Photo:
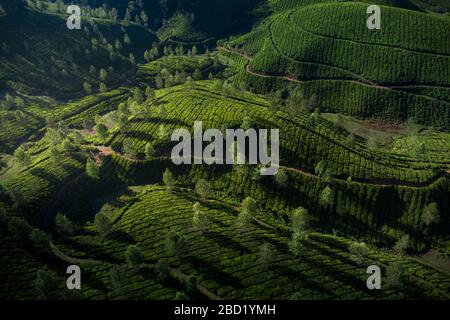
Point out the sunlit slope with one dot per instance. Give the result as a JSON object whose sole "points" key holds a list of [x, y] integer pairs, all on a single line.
{"points": [[372, 73]]}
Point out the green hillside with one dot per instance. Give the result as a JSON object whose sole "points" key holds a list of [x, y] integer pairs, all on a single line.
{"points": [[87, 176], [326, 49], [40, 56]]}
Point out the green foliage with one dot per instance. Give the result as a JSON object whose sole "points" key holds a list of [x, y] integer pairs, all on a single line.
{"points": [[266, 254], [22, 157], [168, 180], [430, 214], [203, 189], [45, 284], [39, 239], [118, 279], [327, 196], [298, 243], [359, 251], [402, 245], [133, 256], [162, 271], [150, 151], [199, 221], [92, 169], [102, 130], [19, 229], [64, 225], [394, 275], [300, 220], [175, 244], [102, 223]]}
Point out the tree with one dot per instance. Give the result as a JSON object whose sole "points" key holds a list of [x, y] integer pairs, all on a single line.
{"points": [[159, 81], [63, 225], [191, 285], [402, 245], [327, 196], [282, 178], [133, 256], [144, 18], [103, 74], [359, 251], [247, 123], [150, 93], [118, 279], [266, 254], [123, 109], [22, 157], [394, 274], [102, 130], [197, 75], [350, 140], [372, 142], [132, 59], [295, 103], [92, 170], [199, 220], [138, 95], [40, 239], [162, 270], [103, 88], [297, 245], [102, 223], [126, 39], [68, 146], [203, 189], [168, 180], [163, 134], [320, 168], [249, 208], [175, 244], [300, 220], [149, 151], [19, 229], [55, 154], [430, 214], [44, 284]]}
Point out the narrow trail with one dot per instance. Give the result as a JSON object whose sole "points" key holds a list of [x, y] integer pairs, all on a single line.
{"points": [[176, 273], [384, 182]]}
